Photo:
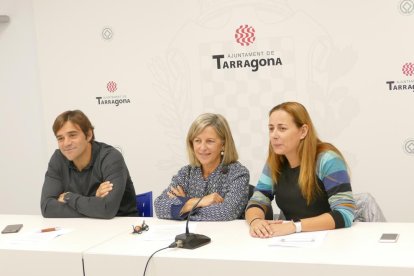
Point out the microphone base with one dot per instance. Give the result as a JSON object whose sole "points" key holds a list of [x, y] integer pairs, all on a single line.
{"points": [[191, 241]]}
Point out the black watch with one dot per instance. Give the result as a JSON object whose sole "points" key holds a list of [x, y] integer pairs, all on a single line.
{"points": [[67, 197]]}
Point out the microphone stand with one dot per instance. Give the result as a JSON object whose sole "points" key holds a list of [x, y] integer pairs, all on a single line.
{"points": [[189, 240]]}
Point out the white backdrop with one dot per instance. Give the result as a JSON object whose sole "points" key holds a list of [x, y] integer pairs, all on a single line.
{"points": [[23, 148], [336, 58]]}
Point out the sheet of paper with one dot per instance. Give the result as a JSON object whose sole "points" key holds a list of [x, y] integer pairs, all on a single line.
{"points": [[36, 236], [166, 232], [303, 239]]}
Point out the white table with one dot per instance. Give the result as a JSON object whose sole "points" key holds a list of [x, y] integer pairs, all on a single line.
{"points": [[107, 247], [352, 251], [60, 256]]}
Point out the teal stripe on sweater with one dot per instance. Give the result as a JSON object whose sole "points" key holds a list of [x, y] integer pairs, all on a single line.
{"points": [[328, 164], [344, 203], [265, 182], [347, 215]]}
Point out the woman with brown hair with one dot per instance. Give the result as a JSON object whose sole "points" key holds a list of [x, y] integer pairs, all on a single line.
{"points": [[307, 177]]}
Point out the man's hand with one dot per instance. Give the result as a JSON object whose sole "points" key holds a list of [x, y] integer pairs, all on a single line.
{"points": [[104, 189], [61, 198]]}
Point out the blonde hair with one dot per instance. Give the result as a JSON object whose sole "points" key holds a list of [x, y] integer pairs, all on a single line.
{"points": [[220, 125], [309, 149]]}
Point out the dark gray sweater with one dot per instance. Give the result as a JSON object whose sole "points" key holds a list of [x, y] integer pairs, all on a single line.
{"points": [[107, 164]]}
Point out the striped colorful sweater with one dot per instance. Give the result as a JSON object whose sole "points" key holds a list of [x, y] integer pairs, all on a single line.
{"points": [[333, 179]]}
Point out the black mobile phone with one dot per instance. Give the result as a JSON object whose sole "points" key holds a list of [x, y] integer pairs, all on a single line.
{"points": [[12, 228], [389, 237]]}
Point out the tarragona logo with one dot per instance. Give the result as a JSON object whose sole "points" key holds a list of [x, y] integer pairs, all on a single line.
{"points": [[408, 69], [111, 86], [406, 84], [113, 99], [245, 35]]}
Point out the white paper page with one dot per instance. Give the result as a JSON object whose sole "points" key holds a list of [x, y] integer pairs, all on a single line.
{"points": [[166, 232], [303, 239], [36, 236]]}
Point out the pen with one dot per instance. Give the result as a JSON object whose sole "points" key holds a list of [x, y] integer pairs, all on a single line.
{"points": [[298, 240], [49, 229]]}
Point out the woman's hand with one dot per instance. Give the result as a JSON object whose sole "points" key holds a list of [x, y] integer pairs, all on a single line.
{"points": [[261, 228], [208, 200], [211, 199], [282, 228], [174, 192]]}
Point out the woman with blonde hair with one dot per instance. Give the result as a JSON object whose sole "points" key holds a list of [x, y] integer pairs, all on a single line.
{"points": [[307, 177], [214, 182]]}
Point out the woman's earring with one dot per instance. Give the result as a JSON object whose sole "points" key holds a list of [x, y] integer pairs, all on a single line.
{"points": [[222, 152]]}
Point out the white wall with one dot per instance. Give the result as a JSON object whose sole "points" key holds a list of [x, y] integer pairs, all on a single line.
{"points": [[337, 57], [22, 148]]}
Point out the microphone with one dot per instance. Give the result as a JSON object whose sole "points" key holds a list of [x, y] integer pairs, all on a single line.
{"points": [[190, 240]]}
